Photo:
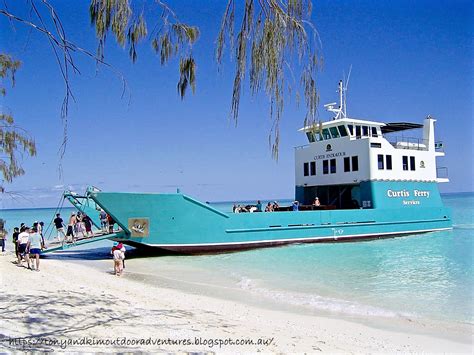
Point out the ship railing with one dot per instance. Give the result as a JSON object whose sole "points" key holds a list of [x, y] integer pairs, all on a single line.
{"points": [[442, 172], [411, 143]]}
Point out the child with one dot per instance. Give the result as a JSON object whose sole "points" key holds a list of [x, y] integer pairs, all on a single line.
{"points": [[118, 252]]}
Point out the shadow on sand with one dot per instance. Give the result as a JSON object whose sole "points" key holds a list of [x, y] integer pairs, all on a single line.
{"points": [[67, 315]]}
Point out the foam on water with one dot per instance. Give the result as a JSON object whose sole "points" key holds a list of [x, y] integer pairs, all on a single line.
{"points": [[319, 303]]}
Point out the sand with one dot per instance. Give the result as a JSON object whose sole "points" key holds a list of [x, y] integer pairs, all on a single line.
{"points": [[73, 307]]}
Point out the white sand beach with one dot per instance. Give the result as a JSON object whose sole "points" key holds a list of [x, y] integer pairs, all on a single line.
{"points": [[67, 303]]}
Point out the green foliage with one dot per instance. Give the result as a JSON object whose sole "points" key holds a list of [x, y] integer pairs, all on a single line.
{"points": [[172, 39], [187, 68], [8, 68], [13, 140], [272, 39]]}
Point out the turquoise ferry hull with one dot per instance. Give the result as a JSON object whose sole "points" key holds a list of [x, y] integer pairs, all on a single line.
{"points": [[179, 223]]}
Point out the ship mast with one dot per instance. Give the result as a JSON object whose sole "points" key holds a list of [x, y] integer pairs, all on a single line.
{"points": [[340, 111]]}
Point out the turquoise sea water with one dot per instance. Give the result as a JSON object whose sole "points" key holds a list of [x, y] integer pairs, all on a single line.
{"points": [[428, 276]]}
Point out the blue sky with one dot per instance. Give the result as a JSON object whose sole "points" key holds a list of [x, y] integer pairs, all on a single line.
{"points": [[409, 59]]}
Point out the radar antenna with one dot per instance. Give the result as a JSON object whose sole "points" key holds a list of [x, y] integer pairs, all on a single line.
{"points": [[341, 110]]}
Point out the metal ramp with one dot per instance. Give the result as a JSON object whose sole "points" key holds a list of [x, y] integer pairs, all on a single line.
{"points": [[56, 246]]}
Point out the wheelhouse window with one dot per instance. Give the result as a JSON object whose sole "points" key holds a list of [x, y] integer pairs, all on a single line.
{"points": [[351, 129], [358, 132], [333, 166], [380, 161], [311, 137], [412, 163], [312, 168], [355, 163], [388, 161], [342, 130], [374, 132], [405, 162], [334, 132], [325, 167], [306, 169], [326, 134], [347, 164], [365, 131]]}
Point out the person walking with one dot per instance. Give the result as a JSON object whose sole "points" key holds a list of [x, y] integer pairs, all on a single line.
{"points": [[70, 227], [35, 245], [23, 243], [110, 222], [59, 224], [88, 225], [103, 221]]}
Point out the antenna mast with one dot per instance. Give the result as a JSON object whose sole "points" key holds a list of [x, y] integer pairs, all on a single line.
{"points": [[341, 111]]}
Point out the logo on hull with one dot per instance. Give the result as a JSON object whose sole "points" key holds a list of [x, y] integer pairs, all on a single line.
{"points": [[139, 227]]}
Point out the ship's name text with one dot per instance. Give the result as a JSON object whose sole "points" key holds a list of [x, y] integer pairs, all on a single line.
{"points": [[406, 193], [329, 155]]}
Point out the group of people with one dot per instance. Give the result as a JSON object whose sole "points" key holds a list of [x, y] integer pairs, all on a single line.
{"points": [[270, 207], [78, 223], [29, 242], [106, 222]]}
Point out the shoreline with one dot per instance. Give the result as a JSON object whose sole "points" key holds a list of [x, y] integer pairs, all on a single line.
{"points": [[69, 300]]}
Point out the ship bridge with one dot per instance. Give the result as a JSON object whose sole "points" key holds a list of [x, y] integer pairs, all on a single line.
{"points": [[344, 154]]}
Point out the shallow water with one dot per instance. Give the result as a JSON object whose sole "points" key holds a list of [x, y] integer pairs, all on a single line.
{"points": [[427, 276]]}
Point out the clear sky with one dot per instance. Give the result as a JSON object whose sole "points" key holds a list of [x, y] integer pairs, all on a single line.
{"points": [[409, 59]]}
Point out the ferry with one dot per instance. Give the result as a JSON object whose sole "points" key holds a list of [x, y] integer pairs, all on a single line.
{"points": [[369, 178]]}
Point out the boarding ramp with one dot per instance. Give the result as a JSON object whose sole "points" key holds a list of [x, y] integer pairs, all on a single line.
{"points": [[57, 246]]}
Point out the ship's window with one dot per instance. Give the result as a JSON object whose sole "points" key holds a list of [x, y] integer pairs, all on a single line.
{"points": [[306, 169], [355, 163], [380, 161], [333, 166], [319, 136], [334, 132], [405, 162], [388, 161], [351, 129], [347, 164], [374, 131], [326, 134], [310, 136], [358, 131], [325, 167], [365, 131], [412, 163], [342, 130], [375, 145], [312, 167]]}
